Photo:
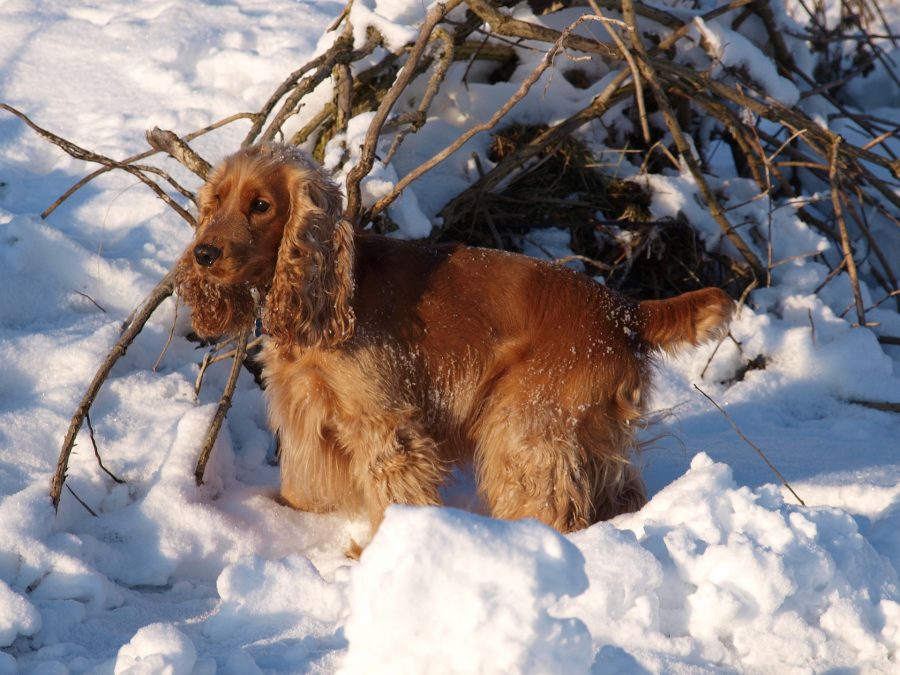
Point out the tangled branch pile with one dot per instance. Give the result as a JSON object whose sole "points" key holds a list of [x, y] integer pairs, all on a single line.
{"points": [[669, 146]]}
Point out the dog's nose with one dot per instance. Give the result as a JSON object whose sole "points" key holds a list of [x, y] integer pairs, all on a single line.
{"points": [[206, 255]]}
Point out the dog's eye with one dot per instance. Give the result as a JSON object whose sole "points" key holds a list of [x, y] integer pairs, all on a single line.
{"points": [[259, 206]]}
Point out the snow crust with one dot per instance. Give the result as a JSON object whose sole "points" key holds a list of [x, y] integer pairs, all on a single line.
{"points": [[722, 571]]}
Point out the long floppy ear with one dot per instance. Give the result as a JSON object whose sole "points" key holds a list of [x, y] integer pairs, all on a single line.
{"points": [[310, 301], [215, 309]]}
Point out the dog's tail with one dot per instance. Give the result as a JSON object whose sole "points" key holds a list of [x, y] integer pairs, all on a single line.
{"points": [[690, 318]]}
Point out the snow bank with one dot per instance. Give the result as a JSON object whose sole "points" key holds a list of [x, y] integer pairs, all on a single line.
{"points": [[758, 584], [17, 616], [708, 575], [443, 591]]}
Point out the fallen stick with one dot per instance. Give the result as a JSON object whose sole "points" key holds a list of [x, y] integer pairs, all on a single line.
{"points": [[752, 445]]}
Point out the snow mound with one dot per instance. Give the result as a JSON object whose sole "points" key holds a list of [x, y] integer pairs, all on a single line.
{"points": [[261, 595], [17, 616], [157, 648], [444, 591], [733, 50]]}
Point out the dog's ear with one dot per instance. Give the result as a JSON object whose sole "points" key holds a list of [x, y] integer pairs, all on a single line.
{"points": [[215, 309], [309, 303]]}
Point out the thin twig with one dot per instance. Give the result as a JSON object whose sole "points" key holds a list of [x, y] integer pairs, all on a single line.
{"points": [[222, 410], [135, 158], [883, 300], [685, 149], [341, 17], [863, 198], [554, 134], [849, 261], [713, 355], [884, 406], [635, 73], [96, 304], [168, 340], [754, 283], [323, 62], [602, 266], [109, 473], [178, 187], [817, 137], [812, 327], [519, 94], [752, 445], [214, 356], [434, 83], [82, 502], [340, 52], [505, 25]]}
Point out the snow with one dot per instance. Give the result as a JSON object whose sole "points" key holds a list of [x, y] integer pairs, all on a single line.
{"points": [[732, 50], [157, 648], [461, 593], [722, 570]]}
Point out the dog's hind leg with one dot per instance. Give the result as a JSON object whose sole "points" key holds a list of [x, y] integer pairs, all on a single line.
{"points": [[568, 468], [532, 468]]}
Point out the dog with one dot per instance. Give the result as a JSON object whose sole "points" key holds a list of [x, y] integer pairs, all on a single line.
{"points": [[388, 362]]}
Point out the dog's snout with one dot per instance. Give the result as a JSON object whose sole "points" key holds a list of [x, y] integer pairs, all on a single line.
{"points": [[206, 255]]}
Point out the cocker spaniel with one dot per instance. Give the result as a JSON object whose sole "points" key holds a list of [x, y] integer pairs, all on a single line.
{"points": [[386, 362]]}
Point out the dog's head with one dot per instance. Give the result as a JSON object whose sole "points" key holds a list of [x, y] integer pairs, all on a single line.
{"points": [[270, 221]]}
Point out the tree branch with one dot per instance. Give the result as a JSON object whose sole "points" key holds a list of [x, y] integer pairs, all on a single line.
{"points": [[130, 331]]}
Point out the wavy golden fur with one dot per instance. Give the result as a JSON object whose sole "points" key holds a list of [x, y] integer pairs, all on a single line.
{"points": [[389, 361]]}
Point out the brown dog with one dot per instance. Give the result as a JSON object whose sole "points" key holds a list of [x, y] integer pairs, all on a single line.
{"points": [[388, 361]]}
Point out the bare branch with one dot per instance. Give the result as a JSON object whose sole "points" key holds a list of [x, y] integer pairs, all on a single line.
{"points": [[849, 261], [224, 406], [519, 94], [340, 52], [685, 149], [367, 156], [213, 356], [166, 141], [136, 158], [505, 25], [88, 156], [437, 78], [131, 330], [323, 62]]}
